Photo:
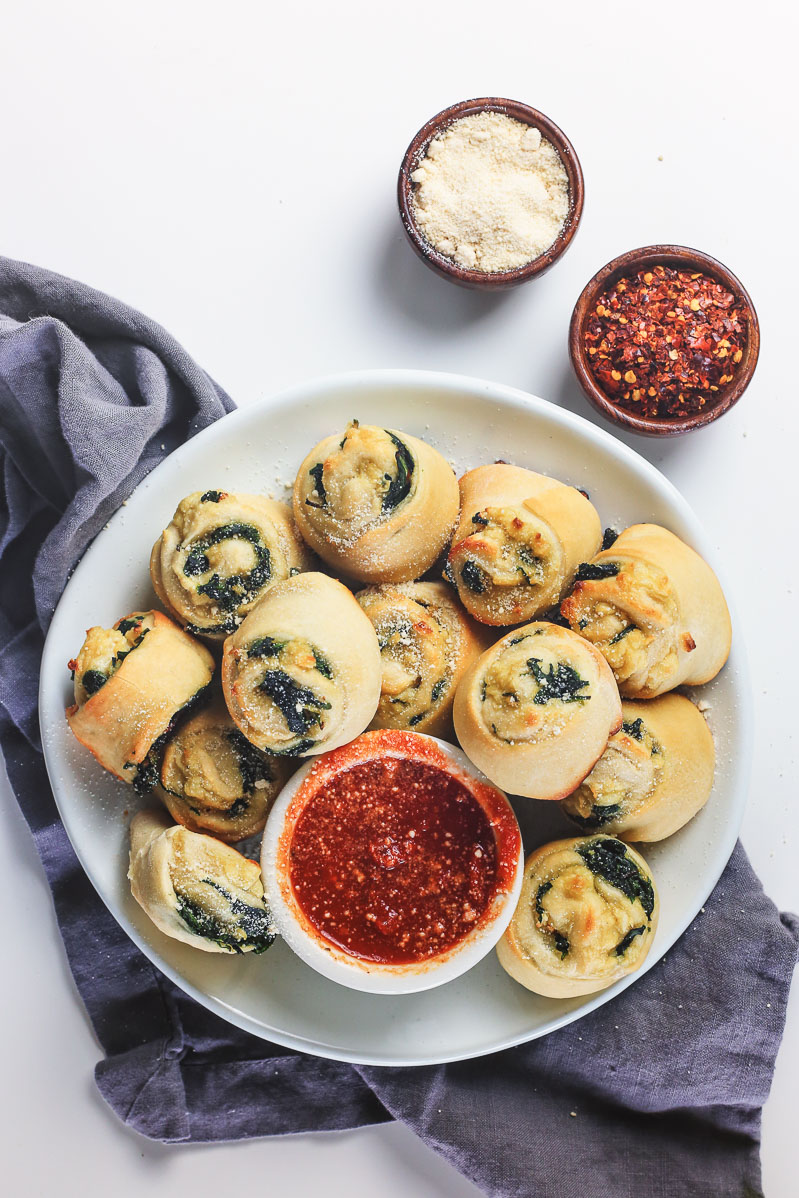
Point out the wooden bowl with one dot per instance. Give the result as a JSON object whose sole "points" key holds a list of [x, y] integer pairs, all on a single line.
{"points": [[480, 279], [629, 264]]}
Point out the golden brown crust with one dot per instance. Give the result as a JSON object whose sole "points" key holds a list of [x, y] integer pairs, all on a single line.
{"points": [[427, 641], [302, 673], [376, 504], [158, 676], [535, 711], [579, 927], [210, 582], [661, 620], [518, 544], [654, 776]]}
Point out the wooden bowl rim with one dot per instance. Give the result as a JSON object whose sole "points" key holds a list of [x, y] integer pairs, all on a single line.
{"points": [[490, 280], [629, 263]]}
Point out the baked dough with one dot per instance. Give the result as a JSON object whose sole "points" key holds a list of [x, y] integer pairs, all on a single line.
{"points": [[214, 781], [518, 544], [196, 889], [654, 776], [220, 554], [131, 681], [586, 916], [376, 504], [535, 711], [426, 643], [302, 673], [654, 609]]}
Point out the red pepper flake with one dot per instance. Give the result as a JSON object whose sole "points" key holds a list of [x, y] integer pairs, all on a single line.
{"points": [[665, 342]]}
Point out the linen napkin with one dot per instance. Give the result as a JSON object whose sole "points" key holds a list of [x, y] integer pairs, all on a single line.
{"points": [[658, 1092]]}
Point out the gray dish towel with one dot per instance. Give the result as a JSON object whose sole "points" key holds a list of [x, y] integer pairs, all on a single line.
{"points": [[658, 1092]]}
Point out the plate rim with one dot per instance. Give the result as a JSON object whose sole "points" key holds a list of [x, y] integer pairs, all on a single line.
{"points": [[320, 386]]}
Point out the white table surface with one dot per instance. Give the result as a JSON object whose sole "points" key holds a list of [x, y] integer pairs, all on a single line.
{"points": [[230, 170]]}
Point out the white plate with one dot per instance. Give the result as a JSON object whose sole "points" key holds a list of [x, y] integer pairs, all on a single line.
{"points": [[259, 448]]}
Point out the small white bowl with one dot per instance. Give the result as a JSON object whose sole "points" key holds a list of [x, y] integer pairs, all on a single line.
{"points": [[335, 962]]}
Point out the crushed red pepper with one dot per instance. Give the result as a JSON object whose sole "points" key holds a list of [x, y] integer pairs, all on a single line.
{"points": [[665, 342]]}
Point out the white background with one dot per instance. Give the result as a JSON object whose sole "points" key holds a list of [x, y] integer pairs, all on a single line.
{"points": [[230, 170]]}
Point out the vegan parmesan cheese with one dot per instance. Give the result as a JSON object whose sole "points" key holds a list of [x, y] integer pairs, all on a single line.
{"points": [[490, 193]]}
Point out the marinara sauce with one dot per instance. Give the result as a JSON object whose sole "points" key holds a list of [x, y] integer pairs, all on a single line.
{"points": [[393, 858]]}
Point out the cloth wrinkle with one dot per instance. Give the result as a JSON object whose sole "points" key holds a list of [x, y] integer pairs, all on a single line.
{"points": [[658, 1091]]}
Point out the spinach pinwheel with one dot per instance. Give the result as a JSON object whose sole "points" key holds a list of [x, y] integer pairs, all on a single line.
{"points": [[219, 556], [535, 711], [426, 643], [302, 673], [654, 609], [586, 916], [376, 504], [196, 889], [518, 544], [653, 777], [213, 780], [132, 681]]}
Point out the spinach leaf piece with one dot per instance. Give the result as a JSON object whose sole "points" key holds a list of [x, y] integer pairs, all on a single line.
{"points": [[316, 474], [438, 689], [299, 706], [322, 664], [590, 571], [634, 728], [608, 859], [211, 497], [479, 518], [400, 484], [624, 944], [124, 626], [474, 578], [620, 635], [561, 683], [253, 764], [609, 537], [598, 816], [92, 680], [265, 646], [416, 719]]}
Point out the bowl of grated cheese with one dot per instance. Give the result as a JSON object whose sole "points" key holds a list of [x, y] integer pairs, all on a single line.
{"points": [[490, 193]]}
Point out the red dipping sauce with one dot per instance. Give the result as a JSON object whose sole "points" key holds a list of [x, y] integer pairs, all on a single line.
{"points": [[394, 855]]}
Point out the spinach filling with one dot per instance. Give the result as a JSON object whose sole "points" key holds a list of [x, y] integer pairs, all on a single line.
{"points": [[626, 941], [634, 728], [253, 767], [438, 689], [474, 578], [322, 664], [532, 568], [598, 816], [255, 922], [265, 646], [299, 706], [230, 592], [560, 941], [479, 518], [399, 486], [316, 474], [591, 571], [148, 773], [92, 680], [620, 635], [211, 497], [416, 719], [124, 626], [608, 860], [609, 537], [562, 683]]}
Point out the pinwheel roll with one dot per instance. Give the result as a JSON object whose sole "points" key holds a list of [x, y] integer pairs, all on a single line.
{"points": [[535, 711], [220, 555], [196, 889], [302, 673], [586, 916], [376, 504], [519, 542], [131, 682], [426, 643], [653, 777], [213, 780], [654, 609]]}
